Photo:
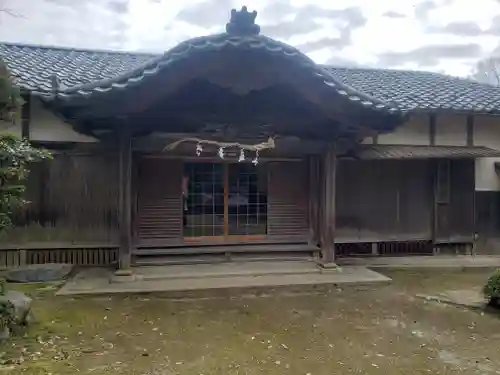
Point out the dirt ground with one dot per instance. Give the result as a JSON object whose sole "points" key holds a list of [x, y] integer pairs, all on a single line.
{"points": [[363, 330]]}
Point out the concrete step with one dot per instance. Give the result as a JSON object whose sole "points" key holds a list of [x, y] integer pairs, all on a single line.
{"points": [[97, 281], [164, 260], [225, 270]]}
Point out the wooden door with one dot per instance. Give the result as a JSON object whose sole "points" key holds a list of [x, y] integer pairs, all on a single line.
{"points": [[159, 201], [221, 202], [288, 201], [454, 203], [442, 199], [225, 201]]}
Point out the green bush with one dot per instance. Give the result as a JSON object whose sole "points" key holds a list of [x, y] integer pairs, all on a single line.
{"points": [[6, 310], [492, 288], [6, 316]]}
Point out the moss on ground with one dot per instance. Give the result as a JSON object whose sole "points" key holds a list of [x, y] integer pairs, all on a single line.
{"points": [[380, 330]]}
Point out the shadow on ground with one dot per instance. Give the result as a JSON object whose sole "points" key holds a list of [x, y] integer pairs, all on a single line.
{"points": [[354, 330]]}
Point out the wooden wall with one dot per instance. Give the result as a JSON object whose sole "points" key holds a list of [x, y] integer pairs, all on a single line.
{"points": [[455, 212], [391, 200], [384, 200], [73, 199]]}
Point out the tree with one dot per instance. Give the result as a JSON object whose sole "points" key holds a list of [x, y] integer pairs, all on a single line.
{"points": [[487, 71], [16, 154]]}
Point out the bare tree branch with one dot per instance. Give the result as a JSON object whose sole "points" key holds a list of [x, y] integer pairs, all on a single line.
{"points": [[11, 13], [487, 71]]}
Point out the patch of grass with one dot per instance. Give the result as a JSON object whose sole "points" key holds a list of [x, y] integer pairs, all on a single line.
{"points": [[381, 330]]}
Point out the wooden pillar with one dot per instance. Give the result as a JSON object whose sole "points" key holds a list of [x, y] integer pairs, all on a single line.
{"points": [[314, 200], [26, 117], [328, 213], [125, 198]]}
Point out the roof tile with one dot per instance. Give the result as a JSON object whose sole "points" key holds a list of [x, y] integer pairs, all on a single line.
{"points": [[416, 90], [33, 67], [424, 152]]}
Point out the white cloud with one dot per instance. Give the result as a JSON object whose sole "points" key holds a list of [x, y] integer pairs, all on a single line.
{"points": [[154, 25], [479, 11]]}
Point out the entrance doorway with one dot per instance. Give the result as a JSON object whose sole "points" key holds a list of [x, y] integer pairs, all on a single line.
{"points": [[224, 200]]}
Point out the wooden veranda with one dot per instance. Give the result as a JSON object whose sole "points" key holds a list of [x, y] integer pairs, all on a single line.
{"points": [[238, 86]]}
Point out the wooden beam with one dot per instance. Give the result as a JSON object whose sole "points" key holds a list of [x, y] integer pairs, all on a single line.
{"points": [[26, 117], [226, 198], [125, 197], [314, 199], [328, 207], [470, 130], [432, 129]]}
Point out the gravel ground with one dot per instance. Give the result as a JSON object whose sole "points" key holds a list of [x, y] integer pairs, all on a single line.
{"points": [[379, 330]]}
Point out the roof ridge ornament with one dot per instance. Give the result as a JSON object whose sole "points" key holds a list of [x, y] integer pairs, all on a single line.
{"points": [[242, 23], [55, 83]]}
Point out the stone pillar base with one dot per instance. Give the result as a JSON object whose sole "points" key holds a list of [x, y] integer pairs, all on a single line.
{"points": [[123, 276], [328, 267]]}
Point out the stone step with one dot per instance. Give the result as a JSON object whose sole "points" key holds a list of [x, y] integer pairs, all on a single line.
{"points": [[226, 270]]}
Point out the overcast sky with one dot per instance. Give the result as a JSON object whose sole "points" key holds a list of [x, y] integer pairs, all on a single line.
{"points": [[438, 35]]}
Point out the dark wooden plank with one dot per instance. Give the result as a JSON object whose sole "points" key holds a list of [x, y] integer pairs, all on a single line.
{"points": [[159, 200], [470, 130], [178, 259], [135, 195], [432, 129], [66, 205], [226, 199], [454, 216], [260, 248], [178, 242], [384, 199], [58, 245], [314, 198], [125, 197], [328, 205], [26, 116], [462, 199], [288, 201]]}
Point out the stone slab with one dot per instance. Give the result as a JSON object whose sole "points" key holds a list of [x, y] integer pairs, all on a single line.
{"points": [[437, 261], [97, 280], [38, 273], [469, 298]]}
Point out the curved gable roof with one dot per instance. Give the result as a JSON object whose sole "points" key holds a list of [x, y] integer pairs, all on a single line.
{"points": [[242, 35], [219, 42], [119, 71], [33, 67]]}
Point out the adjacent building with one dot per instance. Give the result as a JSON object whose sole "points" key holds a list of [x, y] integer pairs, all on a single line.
{"points": [[237, 146]]}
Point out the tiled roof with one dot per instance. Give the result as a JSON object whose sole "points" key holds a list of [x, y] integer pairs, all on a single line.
{"points": [[33, 66], [417, 90], [424, 152], [139, 71], [84, 71]]}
